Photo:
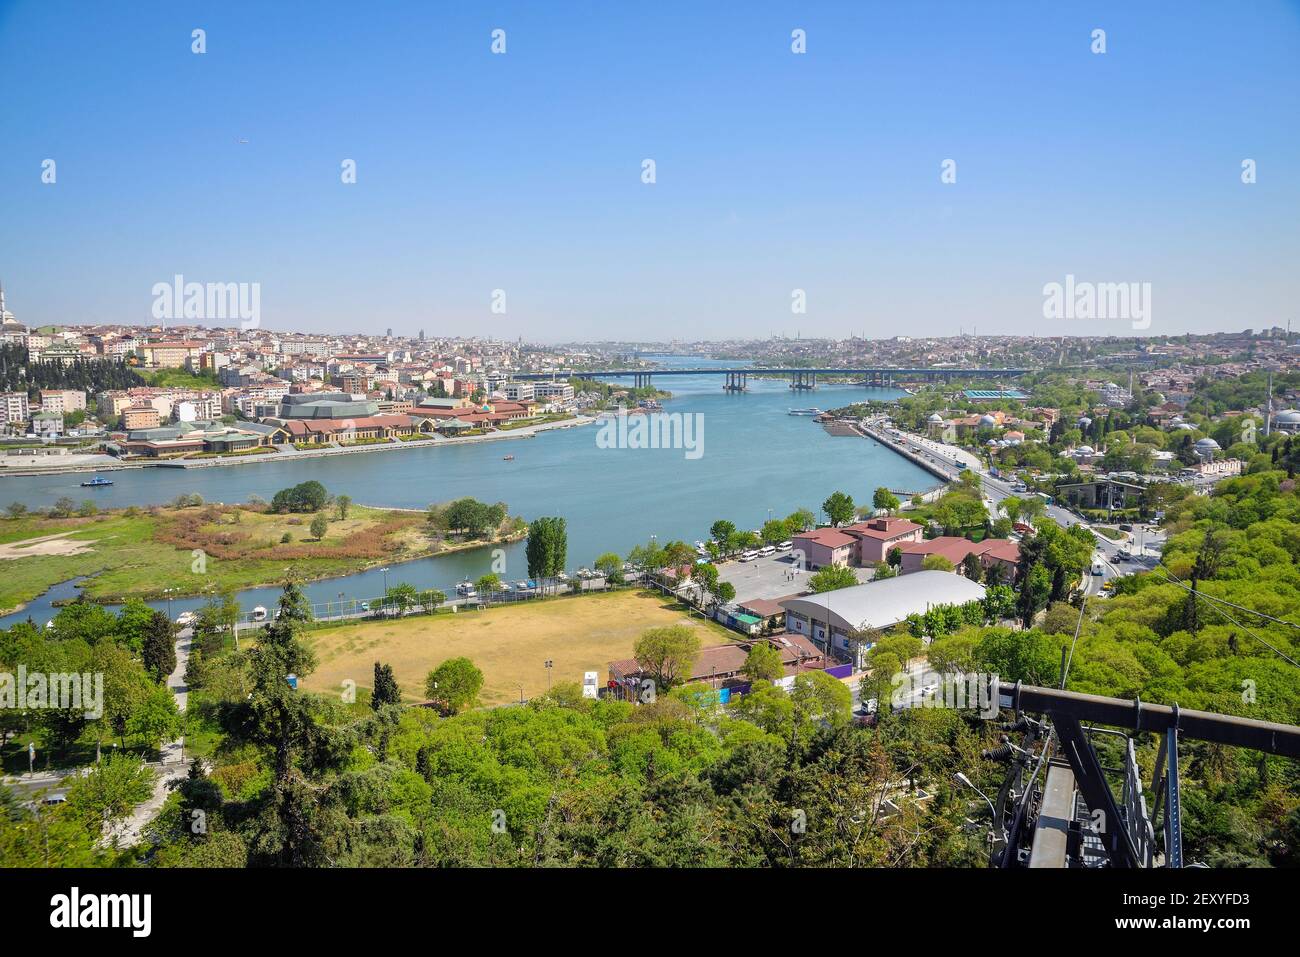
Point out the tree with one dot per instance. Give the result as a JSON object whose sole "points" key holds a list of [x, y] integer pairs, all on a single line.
{"points": [[722, 530], [401, 596], [706, 576], [666, 654], [818, 696], [305, 497], [295, 827], [937, 563], [472, 517], [547, 548], [16, 510], [319, 526], [342, 504], [885, 500], [839, 508], [774, 531], [159, 651], [110, 791], [155, 719], [385, 690], [454, 684], [763, 663], [680, 557], [611, 566], [800, 520], [1035, 589], [725, 593], [831, 578], [488, 583], [430, 599]]}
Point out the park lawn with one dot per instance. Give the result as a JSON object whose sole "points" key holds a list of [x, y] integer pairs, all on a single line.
{"points": [[509, 643], [128, 555]]}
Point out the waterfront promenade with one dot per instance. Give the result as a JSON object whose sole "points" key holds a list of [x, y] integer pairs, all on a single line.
{"points": [[282, 453]]}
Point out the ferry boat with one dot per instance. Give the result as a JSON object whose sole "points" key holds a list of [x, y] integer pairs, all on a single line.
{"points": [[97, 482], [812, 411]]}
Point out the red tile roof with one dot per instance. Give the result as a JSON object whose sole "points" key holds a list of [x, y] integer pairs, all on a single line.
{"points": [[830, 537], [882, 528], [956, 549]]}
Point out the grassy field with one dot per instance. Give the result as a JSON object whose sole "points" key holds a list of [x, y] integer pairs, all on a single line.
{"points": [[136, 553], [508, 643]]}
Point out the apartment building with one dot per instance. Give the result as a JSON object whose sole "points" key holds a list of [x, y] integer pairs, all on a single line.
{"points": [[63, 401], [14, 410]]}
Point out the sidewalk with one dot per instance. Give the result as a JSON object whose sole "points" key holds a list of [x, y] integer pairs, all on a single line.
{"points": [[172, 766]]}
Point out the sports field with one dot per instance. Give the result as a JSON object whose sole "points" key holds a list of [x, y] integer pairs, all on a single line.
{"points": [[509, 643]]}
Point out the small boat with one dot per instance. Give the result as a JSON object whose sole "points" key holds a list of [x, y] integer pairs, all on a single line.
{"points": [[466, 589], [812, 411], [97, 482], [259, 613], [507, 458]]}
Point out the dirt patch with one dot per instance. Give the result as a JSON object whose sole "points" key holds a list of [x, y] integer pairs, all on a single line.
{"points": [[45, 545]]}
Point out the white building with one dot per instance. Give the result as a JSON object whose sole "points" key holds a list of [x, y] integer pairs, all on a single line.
{"points": [[14, 410], [519, 391], [553, 391], [875, 605]]}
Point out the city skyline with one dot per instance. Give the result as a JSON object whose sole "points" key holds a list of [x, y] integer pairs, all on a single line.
{"points": [[775, 172]]}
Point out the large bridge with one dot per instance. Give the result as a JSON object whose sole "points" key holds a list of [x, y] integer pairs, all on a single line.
{"points": [[800, 378]]}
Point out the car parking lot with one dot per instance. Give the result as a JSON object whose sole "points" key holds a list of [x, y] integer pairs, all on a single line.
{"points": [[775, 576]]}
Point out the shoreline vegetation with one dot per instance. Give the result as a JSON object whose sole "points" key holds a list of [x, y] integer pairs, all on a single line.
{"points": [[199, 548]]}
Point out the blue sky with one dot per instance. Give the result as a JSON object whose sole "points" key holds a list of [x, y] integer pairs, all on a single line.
{"points": [[775, 171]]}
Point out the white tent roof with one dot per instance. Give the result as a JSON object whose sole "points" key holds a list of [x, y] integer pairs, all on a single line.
{"points": [[887, 602]]}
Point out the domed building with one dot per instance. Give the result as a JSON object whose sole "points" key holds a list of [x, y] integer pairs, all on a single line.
{"points": [[1288, 420], [988, 422], [1206, 448]]}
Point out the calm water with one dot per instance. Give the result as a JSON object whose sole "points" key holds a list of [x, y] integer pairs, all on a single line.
{"points": [[756, 458]]}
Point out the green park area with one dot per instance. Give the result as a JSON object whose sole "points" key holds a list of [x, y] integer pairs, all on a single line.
{"points": [[193, 548]]}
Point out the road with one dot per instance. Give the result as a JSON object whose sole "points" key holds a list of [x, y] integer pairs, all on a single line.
{"points": [[1144, 544]]}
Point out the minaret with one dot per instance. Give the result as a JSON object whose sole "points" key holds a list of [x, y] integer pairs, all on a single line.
{"points": [[1268, 409]]}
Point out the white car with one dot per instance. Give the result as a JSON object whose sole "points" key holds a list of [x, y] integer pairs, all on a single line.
{"points": [[748, 556], [785, 546]]}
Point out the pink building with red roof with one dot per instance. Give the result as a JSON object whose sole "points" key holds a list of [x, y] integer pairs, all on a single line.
{"points": [[1001, 551], [876, 536]]}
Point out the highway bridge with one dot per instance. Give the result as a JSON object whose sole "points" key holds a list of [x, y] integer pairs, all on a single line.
{"points": [[800, 378]]}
